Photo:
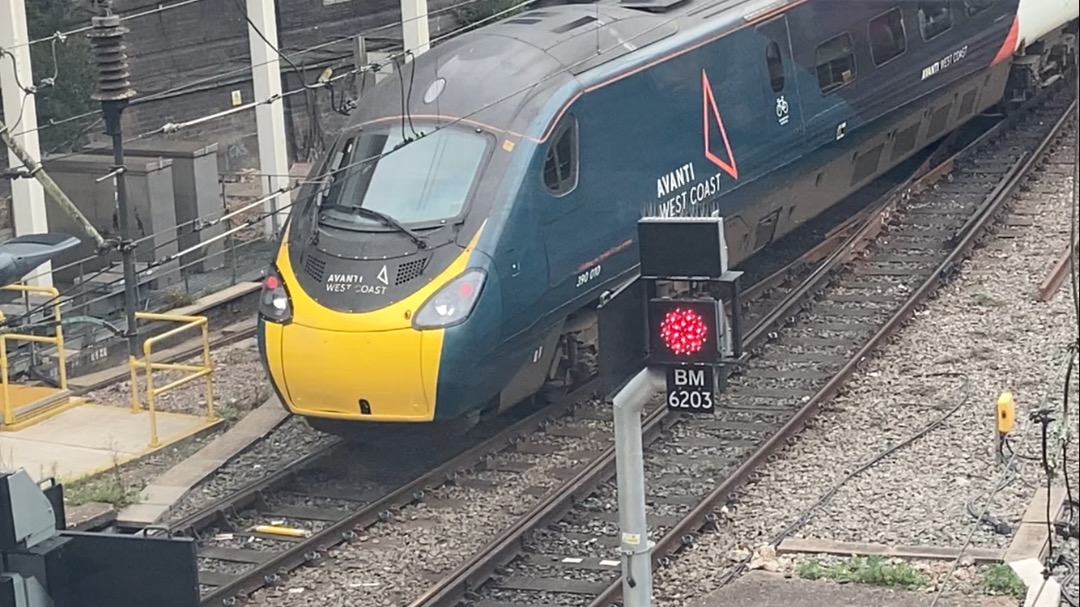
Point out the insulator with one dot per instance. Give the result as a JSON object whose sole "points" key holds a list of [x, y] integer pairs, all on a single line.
{"points": [[107, 38]]}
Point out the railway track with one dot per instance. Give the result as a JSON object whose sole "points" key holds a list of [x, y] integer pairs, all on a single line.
{"points": [[318, 503], [317, 509], [565, 550]]}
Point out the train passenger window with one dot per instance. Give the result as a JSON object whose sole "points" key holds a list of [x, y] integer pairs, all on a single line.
{"points": [[935, 18], [776, 66], [835, 63], [974, 7], [887, 37], [561, 162]]}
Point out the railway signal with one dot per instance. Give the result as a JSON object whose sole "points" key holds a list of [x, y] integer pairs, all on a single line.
{"points": [[683, 331], [692, 336]]}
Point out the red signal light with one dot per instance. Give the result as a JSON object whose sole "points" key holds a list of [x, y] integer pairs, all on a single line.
{"points": [[683, 331], [271, 282]]}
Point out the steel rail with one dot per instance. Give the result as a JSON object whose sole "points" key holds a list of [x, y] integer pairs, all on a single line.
{"points": [[250, 493], [503, 548], [965, 239], [264, 573], [839, 238], [317, 544], [477, 570], [192, 524]]}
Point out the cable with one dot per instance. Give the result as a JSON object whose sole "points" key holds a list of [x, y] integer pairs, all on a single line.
{"points": [[1075, 348], [31, 90], [62, 35], [372, 66], [220, 78], [1044, 419], [169, 128], [64, 298], [971, 534], [999, 526], [807, 514]]}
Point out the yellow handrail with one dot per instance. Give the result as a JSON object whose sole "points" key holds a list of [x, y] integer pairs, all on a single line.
{"points": [[197, 371], [57, 340]]}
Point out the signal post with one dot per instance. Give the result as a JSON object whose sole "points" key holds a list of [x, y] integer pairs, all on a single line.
{"points": [[693, 341]]}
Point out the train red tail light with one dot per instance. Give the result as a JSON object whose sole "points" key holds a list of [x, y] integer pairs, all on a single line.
{"points": [[683, 331], [274, 304]]}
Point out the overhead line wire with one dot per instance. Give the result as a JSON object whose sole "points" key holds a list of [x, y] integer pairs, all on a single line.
{"points": [[210, 80], [374, 65]]}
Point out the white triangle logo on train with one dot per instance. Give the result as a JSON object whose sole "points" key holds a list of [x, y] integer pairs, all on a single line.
{"points": [[382, 276]]}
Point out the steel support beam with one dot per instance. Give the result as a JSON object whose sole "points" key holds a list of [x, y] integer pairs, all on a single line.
{"points": [[414, 26], [630, 475], [20, 114], [269, 117]]}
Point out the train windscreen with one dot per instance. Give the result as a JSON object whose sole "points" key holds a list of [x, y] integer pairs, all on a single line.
{"points": [[426, 180]]}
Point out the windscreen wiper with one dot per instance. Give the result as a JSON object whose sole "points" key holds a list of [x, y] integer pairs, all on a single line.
{"points": [[390, 221]]}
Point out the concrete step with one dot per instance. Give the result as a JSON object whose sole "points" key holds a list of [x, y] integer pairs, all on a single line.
{"points": [[33, 404]]}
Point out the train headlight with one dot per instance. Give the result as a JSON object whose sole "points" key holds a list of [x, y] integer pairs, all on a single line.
{"points": [[451, 304], [274, 299]]}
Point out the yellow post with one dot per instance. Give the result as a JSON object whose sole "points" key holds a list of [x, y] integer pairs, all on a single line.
{"points": [[1006, 408], [194, 371], [133, 363], [61, 357], [209, 371], [9, 415], [150, 396]]}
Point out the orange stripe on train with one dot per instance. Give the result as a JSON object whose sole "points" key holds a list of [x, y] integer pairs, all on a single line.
{"points": [[1009, 45]]}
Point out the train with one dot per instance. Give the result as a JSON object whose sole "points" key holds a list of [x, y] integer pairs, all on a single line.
{"points": [[445, 260]]}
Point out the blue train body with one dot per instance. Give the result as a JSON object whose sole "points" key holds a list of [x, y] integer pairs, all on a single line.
{"points": [[765, 113]]}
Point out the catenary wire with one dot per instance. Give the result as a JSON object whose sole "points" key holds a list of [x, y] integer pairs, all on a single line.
{"points": [[220, 78], [370, 66]]}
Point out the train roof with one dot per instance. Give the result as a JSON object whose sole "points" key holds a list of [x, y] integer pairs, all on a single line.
{"points": [[497, 74]]}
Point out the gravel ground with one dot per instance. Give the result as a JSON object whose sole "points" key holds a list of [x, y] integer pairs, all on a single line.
{"points": [[394, 562], [240, 385], [279, 447], [984, 333]]}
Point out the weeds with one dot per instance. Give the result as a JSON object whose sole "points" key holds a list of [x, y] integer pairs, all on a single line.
{"points": [[986, 301], [1000, 578], [107, 487], [865, 570]]}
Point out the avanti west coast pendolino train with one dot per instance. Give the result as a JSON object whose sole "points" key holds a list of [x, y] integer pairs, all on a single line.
{"points": [[460, 272]]}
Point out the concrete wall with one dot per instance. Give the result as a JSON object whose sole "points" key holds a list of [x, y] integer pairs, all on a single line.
{"points": [[209, 40]]}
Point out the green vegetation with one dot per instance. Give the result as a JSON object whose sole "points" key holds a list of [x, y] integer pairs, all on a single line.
{"points": [[986, 301], [1000, 578], [73, 71], [865, 570], [107, 487]]}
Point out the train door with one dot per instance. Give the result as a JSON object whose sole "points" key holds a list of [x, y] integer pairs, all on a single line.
{"points": [[781, 90]]}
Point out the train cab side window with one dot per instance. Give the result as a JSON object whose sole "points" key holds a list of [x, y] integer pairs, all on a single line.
{"points": [[835, 63], [887, 37], [561, 161], [935, 18], [974, 7], [775, 63]]}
